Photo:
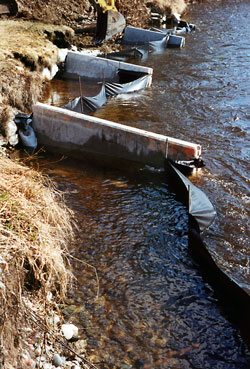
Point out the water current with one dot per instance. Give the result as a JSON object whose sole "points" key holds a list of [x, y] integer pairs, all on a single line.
{"points": [[151, 294]]}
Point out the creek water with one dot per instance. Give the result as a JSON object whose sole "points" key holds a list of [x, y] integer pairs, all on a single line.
{"points": [[151, 294]]}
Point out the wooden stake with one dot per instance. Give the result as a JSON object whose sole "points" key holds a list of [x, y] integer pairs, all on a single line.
{"points": [[80, 84], [103, 79], [189, 198]]}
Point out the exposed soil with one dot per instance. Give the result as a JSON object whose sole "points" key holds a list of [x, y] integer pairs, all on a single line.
{"points": [[72, 13]]}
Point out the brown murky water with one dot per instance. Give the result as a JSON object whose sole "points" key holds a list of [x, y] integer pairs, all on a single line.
{"points": [[151, 295]]}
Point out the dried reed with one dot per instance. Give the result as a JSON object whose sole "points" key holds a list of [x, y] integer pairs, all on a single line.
{"points": [[35, 228]]}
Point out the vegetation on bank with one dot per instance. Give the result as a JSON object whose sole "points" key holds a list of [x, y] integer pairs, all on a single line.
{"points": [[35, 228]]}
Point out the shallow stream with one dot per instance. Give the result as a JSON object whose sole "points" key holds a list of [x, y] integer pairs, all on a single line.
{"points": [[151, 294]]}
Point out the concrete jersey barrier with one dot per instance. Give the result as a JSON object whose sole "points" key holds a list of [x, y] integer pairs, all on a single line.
{"points": [[78, 135], [97, 68]]}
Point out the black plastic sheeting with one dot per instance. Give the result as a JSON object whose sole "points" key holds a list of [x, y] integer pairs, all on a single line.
{"points": [[182, 28], [127, 54], [198, 204], [196, 201], [87, 105], [233, 296], [201, 215], [26, 134], [157, 46], [189, 26], [138, 36], [113, 89], [142, 51], [126, 76]]}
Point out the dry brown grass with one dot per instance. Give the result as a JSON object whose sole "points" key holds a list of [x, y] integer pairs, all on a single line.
{"points": [[31, 43], [19, 88], [35, 228]]}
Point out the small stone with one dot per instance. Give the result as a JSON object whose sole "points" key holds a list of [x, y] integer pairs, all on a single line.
{"points": [[75, 367], [57, 360], [69, 331], [11, 132]]}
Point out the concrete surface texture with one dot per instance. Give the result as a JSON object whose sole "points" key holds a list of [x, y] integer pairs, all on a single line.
{"points": [[134, 35], [98, 68], [79, 134]]}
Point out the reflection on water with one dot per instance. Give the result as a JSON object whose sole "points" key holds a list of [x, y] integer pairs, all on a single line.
{"points": [[152, 296], [61, 92]]}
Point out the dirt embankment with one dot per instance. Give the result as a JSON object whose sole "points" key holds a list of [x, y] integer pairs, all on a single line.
{"points": [[27, 55], [31, 37]]}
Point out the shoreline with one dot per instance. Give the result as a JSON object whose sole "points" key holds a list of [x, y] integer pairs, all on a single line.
{"points": [[28, 59]]}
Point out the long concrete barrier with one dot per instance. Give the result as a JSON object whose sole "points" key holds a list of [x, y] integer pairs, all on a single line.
{"points": [[80, 135], [97, 68]]}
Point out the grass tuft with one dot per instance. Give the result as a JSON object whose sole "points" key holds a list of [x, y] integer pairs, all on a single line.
{"points": [[35, 228]]}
